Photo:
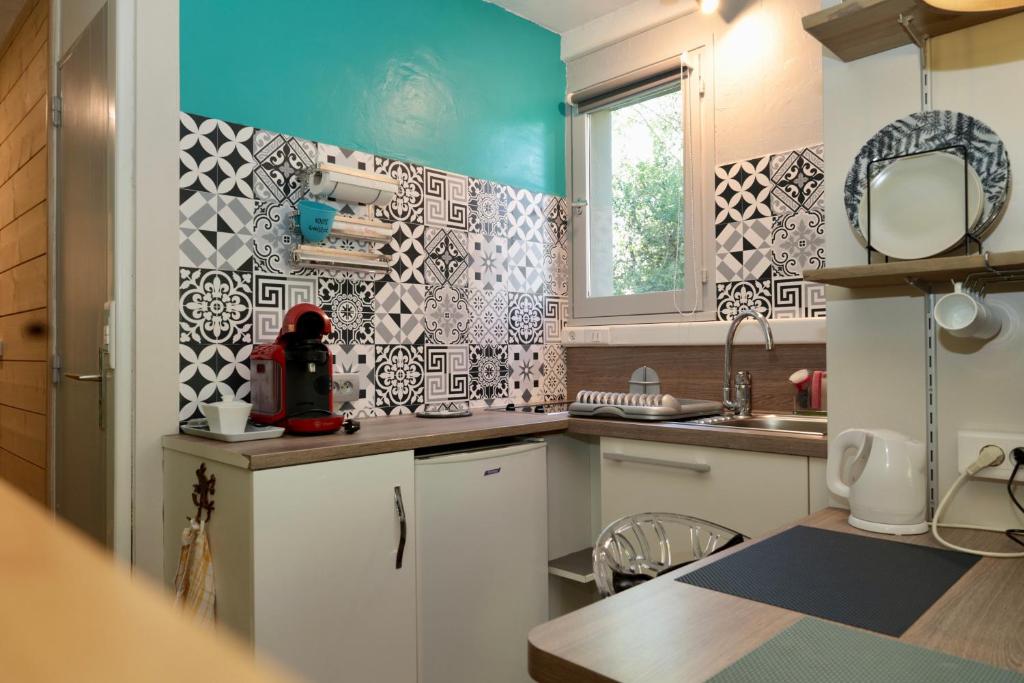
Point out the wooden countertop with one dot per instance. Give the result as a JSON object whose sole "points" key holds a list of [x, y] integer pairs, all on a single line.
{"points": [[406, 432], [664, 630], [70, 613], [377, 435]]}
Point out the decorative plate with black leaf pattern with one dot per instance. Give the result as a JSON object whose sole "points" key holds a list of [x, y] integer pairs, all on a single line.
{"points": [[931, 130]]}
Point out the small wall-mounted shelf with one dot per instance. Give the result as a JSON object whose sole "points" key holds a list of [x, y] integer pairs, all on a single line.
{"points": [[354, 228], [365, 229], [941, 269], [858, 28], [351, 185], [577, 566], [342, 259]]}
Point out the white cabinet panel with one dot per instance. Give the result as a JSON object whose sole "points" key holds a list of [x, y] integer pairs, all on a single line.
{"points": [[753, 493], [818, 494], [329, 600]]}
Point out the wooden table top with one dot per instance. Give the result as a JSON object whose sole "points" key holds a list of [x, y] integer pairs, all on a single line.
{"points": [[407, 432], [664, 630], [68, 612]]}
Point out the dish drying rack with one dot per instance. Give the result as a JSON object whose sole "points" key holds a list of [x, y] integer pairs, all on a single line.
{"points": [[636, 406], [343, 185]]}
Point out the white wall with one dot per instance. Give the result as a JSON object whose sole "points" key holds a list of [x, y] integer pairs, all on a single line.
{"points": [[876, 338], [156, 263], [767, 72]]}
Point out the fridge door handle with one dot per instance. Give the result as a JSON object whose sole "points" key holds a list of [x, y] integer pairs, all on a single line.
{"points": [[400, 511]]}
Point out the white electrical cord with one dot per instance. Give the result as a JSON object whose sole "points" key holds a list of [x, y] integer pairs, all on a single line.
{"points": [[685, 70], [988, 457]]}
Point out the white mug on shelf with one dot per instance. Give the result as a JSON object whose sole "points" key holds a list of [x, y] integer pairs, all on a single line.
{"points": [[226, 417], [964, 314]]}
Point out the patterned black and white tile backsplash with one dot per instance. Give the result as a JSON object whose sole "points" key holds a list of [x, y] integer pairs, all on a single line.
{"points": [[769, 229], [472, 307]]}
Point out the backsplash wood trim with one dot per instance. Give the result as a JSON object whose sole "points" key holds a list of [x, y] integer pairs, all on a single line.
{"points": [[695, 371]]}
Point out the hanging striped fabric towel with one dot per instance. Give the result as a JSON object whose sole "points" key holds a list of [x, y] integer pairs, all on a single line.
{"points": [[193, 583]]}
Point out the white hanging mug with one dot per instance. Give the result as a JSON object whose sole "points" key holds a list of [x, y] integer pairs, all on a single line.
{"points": [[964, 314]]}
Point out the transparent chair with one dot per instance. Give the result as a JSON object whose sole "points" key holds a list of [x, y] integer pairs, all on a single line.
{"points": [[638, 548]]}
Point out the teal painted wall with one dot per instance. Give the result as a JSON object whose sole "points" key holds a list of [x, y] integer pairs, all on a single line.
{"points": [[460, 85]]}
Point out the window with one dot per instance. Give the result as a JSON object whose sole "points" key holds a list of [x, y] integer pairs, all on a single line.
{"points": [[638, 200]]}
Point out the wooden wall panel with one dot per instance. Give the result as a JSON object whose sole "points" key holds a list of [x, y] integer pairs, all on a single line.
{"points": [[24, 235], [695, 371], [25, 238], [31, 479], [24, 335], [26, 92], [24, 190], [24, 287], [23, 434], [24, 385], [27, 139], [23, 45]]}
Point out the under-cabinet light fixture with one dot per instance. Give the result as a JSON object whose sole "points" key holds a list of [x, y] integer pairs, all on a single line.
{"points": [[708, 6]]}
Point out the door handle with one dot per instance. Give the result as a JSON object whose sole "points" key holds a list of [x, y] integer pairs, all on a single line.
{"points": [[400, 511], [83, 378], [700, 467]]}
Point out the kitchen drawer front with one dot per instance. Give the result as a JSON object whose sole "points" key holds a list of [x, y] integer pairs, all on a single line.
{"points": [[754, 493]]}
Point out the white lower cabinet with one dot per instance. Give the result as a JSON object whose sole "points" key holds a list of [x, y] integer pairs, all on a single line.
{"points": [[753, 493], [306, 561]]}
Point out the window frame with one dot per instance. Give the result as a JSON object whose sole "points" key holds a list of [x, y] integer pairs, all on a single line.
{"points": [[695, 301]]}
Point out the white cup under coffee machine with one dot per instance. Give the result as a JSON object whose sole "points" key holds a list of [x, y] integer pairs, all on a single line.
{"points": [[883, 474]]}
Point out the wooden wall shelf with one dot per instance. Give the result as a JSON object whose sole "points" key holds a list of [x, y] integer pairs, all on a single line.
{"points": [[941, 269], [859, 28]]}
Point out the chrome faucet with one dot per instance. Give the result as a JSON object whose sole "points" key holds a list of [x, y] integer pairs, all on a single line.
{"points": [[738, 400]]}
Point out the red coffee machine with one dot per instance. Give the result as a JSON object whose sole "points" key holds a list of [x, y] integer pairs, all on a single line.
{"points": [[291, 378]]}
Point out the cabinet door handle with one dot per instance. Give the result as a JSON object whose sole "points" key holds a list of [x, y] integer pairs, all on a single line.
{"points": [[701, 467], [400, 511]]}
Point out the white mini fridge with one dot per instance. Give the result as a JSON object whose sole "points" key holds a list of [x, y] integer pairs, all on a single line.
{"points": [[481, 558]]}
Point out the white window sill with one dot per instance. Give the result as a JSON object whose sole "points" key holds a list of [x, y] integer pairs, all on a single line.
{"points": [[796, 331]]}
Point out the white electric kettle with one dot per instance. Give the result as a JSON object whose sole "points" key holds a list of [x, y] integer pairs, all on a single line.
{"points": [[888, 480]]}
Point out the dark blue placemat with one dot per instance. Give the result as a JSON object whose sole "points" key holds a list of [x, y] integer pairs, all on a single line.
{"points": [[877, 585]]}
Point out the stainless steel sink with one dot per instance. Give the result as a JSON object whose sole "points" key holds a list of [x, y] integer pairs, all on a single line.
{"points": [[788, 424]]}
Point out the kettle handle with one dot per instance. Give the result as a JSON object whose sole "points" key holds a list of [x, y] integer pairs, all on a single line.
{"points": [[837, 447]]}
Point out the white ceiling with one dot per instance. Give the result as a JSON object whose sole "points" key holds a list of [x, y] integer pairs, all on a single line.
{"points": [[561, 15], [9, 10]]}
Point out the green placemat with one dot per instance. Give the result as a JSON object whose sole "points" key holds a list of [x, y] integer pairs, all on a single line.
{"points": [[815, 651]]}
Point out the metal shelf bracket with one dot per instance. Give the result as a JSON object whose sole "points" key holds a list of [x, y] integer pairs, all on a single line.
{"points": [[924, 48]]}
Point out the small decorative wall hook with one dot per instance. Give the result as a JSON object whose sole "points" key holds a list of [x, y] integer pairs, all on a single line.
{"points": [[202, 493]]}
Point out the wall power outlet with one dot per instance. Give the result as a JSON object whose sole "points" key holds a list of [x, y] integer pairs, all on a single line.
{"points": [[346, 387], [970, 443]]}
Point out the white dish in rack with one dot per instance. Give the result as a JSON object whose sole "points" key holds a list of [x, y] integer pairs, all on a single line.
{"points": [[917, 205]]}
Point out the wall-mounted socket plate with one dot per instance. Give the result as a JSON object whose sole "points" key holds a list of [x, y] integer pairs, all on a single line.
{"points": [[970, 443], [346, 388], [586, 336]]}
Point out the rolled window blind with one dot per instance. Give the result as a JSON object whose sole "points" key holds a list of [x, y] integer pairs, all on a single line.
{"points": [[645, 79]]}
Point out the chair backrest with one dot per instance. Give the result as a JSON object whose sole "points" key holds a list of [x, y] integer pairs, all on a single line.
{"points": [[637, 548]]}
